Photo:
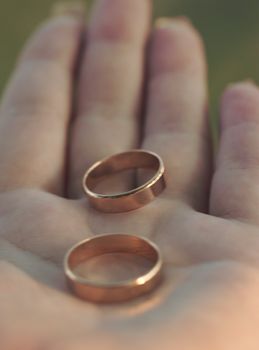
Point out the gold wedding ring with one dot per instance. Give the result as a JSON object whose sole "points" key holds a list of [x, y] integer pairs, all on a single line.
{"points": [[130, 200], [114, 291]]}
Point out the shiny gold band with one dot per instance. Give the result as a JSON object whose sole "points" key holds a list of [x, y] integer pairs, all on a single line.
{"points": [[130, 200], [115, 291]]}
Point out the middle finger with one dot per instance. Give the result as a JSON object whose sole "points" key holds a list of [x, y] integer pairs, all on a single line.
{"points": [[110, 85]]}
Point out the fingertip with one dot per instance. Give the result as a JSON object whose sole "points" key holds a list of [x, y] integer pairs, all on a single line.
{"points": [[172, 23], [240, 103], [75, 9], [63, 15], [176, 45], [57, 38], [180, 26], [239, 90], [120, 20]]}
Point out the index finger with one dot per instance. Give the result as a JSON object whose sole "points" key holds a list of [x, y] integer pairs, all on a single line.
{"points": [[36, 108]]}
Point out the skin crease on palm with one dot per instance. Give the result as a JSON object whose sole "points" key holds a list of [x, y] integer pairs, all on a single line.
{"points": [[205, 222]]}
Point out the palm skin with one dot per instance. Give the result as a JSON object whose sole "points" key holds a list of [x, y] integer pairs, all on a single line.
{"points": [[207, 230], [209, 292]]}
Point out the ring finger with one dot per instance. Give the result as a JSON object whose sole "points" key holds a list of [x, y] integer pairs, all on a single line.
{"points": [[177, 123]]}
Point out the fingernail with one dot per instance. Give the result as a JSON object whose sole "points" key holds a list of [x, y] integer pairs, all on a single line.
{"points": [[69, 8], [248, 81], [167, 22]]}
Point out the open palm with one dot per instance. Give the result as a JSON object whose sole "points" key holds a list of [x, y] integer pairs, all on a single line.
{"points": [[207, 230]]}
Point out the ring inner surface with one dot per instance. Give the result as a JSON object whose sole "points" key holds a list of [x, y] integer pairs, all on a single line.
{"points": [[121, 163], [113, 259]]}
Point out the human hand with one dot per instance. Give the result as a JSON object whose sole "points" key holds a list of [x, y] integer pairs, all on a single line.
{"points": [[207, 230]]}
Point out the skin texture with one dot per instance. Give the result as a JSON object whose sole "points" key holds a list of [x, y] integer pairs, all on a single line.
{"points": [[128, 94]]}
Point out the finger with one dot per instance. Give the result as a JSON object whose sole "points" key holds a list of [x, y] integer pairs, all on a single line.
{"points": [[177, 125], [235, 186], [36, 107], [110, 85]]}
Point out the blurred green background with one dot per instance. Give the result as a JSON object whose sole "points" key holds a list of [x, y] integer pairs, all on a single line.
{"points": [[230, 30]]}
